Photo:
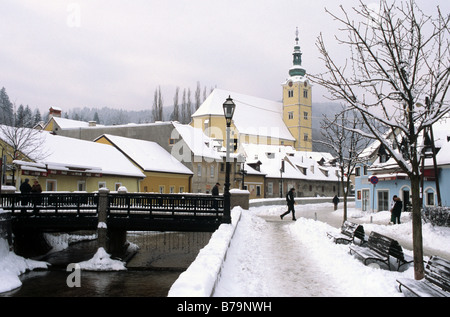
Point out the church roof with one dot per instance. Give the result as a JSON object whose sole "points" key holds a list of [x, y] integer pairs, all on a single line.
{"points": [[252, 116]]}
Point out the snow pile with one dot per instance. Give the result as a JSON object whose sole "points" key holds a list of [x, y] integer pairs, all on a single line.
{"points": [[12, 265], [201, 276], [101, 261]]}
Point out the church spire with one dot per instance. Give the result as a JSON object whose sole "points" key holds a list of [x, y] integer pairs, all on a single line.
{"points": [[297, 69]]}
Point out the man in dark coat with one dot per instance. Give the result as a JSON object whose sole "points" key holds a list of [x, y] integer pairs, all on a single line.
{"points": [[215, 190], [396, 210], [335, 201], [290, 202], [25, 189]]}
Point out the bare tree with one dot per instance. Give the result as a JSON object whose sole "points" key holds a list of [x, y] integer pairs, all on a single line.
{"points": [[398, 58], [341, 135], [19, 143]]}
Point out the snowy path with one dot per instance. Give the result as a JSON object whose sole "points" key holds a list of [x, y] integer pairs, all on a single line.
{"points": [[279, 264]]}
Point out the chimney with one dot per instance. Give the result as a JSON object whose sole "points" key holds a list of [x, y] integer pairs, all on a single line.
{"points": [[54, 112], [92, 123]]}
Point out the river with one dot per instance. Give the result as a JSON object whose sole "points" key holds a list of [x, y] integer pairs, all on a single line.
{"points": [[160, 259]]}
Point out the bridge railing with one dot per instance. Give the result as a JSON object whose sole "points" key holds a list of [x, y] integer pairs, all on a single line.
{"points": [[165, 204], [129, 203], [50, 203]]}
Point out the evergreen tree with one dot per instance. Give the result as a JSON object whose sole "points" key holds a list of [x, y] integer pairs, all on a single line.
{"points": [[6, 108], [188, 107], [37, 117], [96, 118], [197, 96], [20, 117], [176, 109], [157, 109], [183, 107], [28, 117]]}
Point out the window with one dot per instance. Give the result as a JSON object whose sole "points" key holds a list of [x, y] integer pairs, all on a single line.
{"points": [[270, 188], [305, 137], [162, 189], [383, 200], [101, 185], [171, 141], [305, 93], [290, 93], [357, 171], [50, 185], [430, 198], [305, 115], [258, 190], [199, 169], [211, 171], [81, 186], [172, 189], [291, 115], [181, 189]]}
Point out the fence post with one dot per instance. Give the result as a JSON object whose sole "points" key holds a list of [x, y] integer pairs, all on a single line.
{"points": [[239, 197], [102, 217]]}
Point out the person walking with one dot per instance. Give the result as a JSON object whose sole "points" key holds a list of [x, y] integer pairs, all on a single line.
{"points": [[335, 201], [215, 192], [290, 203], [396, 210]]}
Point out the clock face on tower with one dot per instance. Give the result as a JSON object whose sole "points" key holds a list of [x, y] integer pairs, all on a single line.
{"points": [[290, 84]]}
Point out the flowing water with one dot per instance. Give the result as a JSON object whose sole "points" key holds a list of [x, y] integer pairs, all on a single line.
{"points": [[160, 259]]}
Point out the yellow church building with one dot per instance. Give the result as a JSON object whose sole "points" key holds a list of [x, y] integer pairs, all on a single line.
{"points": [[261, 121]]}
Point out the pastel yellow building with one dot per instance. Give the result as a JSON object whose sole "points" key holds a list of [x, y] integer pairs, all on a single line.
{"points": [[261, 121], [65, 164], [163, 172]]}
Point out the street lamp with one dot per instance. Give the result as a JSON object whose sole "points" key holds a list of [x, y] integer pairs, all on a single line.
{"points": [[228, 110]]}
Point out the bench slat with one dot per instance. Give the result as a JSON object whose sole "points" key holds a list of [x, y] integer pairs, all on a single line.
{"points": [[436, 282], [349, 231], [421, 288], [381, 249]]}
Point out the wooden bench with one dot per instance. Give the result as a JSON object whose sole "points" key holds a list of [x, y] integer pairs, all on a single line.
{"points": [[381, 248], [349, 231], [435, 284]]}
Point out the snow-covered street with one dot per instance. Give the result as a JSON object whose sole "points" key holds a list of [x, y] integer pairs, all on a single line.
{"points": [[273, 257], [270, 257]]}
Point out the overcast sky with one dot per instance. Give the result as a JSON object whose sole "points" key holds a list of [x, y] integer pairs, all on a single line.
{"points": [[115, 53]]}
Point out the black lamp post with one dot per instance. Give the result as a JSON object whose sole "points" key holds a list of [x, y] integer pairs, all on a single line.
{"points": [[228, 110]]}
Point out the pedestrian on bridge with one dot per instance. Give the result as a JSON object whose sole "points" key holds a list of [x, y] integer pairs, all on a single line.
{"points": [[36, 188], [25, 189]]}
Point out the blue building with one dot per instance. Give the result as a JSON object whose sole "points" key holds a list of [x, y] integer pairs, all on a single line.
{"points": [[380, 178]]}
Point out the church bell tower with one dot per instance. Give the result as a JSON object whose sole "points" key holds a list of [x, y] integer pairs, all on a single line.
{"points": [[297, 102]]}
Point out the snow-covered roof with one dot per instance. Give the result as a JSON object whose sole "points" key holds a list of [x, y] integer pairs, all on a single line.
{"points": [[199, 144], [252, 116], [60, 152], [150, 156], [64, 123], [297, 164]]}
